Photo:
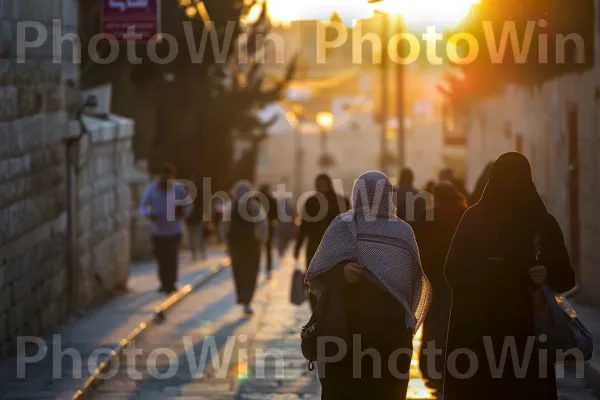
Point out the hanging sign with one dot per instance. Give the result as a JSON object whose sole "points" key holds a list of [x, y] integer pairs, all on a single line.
{"points": [[131, 20]]}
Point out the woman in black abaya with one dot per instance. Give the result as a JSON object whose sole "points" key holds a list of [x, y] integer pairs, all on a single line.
{"points": [[492, 273], [245, 233]]}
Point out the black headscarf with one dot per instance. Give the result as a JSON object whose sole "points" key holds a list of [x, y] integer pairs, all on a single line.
{"points": [[510, 193], [327, 179]]}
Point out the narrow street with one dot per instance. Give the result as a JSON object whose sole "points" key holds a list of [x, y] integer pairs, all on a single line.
{"points": [[208, 316], [170, 359]]}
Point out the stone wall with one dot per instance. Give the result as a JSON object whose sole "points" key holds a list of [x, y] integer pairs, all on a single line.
{"points": [[102, 251], [34, 270], [33, 278], [536, 120]]}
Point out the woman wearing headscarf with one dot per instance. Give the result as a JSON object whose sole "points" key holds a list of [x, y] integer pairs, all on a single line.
{"points": [[244, 232], [369, 261], [434, 230], [491, 269]]}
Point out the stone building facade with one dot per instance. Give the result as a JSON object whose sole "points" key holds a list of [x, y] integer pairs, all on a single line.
{"points": [[557, 127], [43, 278]]}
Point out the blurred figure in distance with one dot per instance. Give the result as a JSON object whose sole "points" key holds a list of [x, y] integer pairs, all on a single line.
{"points": [[434, 230], [313, 231], [245, 238], [408, 202], [166, 232], [272, 222]]}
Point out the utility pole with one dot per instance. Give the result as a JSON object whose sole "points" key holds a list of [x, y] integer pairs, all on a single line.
{"points": [[384, 91], [400, 112]]}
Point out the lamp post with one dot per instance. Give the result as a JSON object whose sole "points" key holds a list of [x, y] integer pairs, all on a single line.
{"points": [[325, 122], [400, 73], [384, 91], [400, 83]]}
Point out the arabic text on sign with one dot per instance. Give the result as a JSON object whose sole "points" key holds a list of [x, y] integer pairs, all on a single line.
{"points": [[127, 4]]}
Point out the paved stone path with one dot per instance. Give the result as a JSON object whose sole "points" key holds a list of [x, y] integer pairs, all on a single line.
{"points": [[168, 363], [102, 327]]}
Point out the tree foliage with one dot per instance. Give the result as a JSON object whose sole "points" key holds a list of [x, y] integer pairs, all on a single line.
{"points": [[545, 30], [207, 97]]}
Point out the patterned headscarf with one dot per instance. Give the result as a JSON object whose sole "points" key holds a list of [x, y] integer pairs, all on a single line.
{"points": [[372, 235]]}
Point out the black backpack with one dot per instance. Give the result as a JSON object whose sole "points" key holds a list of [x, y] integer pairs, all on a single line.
{"points": [[328, 319]]}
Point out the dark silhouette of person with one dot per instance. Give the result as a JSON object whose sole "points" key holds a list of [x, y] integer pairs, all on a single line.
{"points": [[313, 230], [492, 271], [272, 221], [245, 238], [434, 230], [408, 206]]}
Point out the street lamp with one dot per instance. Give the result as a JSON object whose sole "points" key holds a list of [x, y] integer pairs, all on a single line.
{"points": [[325, 121]]}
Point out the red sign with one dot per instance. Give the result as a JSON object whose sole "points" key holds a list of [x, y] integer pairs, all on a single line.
{"points": [[131, 20]]}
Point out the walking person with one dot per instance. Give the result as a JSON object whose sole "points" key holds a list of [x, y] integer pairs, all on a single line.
{"points": [[196, 235], [272, 222], [447, 175], [195, 230], [367, 269], [491, 269], [165, 228], [434, 230], [407, 204], [285, 231], [313, 230], [244, 230], [218, 209]]}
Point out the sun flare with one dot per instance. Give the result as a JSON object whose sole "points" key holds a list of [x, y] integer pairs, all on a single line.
{"points": [[442, 13]]}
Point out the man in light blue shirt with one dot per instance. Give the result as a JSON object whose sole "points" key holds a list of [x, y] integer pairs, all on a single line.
{"points": [[164, 204]]}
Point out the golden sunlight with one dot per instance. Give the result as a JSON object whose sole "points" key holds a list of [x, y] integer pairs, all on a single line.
{"points": [[442, 13], [285, 11], [417, 387]]}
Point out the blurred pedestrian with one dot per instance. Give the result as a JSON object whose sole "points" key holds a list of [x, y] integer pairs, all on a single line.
{"points": [[286, 228], [196, 235], [447, 174], [244, 230], [492, 271], [369, 281], [218, 209], [434, 230], [482, 181], [196, 229], [165, 228], [272, 222], [313, 228], [429, 187], [408, 203]]}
